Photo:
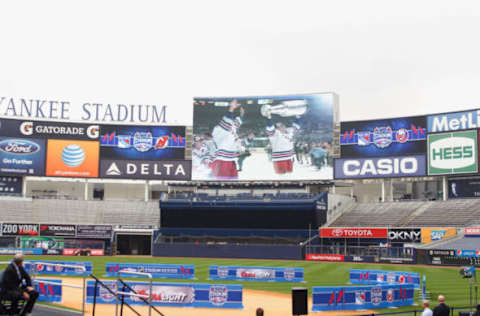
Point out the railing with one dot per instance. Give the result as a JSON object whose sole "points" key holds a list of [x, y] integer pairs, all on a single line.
{"points": [[453, 309], [148, 275]]}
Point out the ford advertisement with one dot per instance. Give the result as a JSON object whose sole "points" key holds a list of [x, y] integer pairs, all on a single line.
{"points": [[20, 156]]}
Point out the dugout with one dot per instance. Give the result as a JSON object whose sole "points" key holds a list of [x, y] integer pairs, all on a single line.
{"points": [[133, 240]]}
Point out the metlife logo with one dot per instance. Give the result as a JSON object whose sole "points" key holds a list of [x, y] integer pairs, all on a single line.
{"points": [[385, 167], [453, 121], [452, 153]]}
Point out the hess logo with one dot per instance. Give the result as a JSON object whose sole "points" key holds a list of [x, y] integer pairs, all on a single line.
{"points": [[452, 151]]}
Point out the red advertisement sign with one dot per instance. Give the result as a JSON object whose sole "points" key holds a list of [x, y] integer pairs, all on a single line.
{"points": [[472, 231], [83, 252], [349, 232], [321, 257]]}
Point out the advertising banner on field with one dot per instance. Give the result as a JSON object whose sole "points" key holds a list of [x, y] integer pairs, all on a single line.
{"points": [[379, 138], [19, 229], [156, 143], [324, 257], [405, 235], [49, 245], [472, 231], [49, 267], [49, 293], [264, 138], [452, 153], [384, 277], [437, 233], [72, 158], [20, 156], [455, 121], [464, 188], [353, 232], [467, 253], [180, 170], [173, 294], [361, 297], [57, 230], [95, 231], [168, 271], [11, 185], [384, 167], [256, 274], [25, 251]]}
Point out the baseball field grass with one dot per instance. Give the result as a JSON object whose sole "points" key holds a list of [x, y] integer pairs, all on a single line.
{"points": [[440, 280]]}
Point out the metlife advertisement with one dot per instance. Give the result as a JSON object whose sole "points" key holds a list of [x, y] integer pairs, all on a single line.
{"points": [[454, 121]]}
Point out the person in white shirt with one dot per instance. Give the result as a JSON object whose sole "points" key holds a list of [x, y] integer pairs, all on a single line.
{"points": [[426, 309]]}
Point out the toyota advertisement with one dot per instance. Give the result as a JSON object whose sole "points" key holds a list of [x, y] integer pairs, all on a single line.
{"points": [[264, 138], [379, 138], [347, 232]]}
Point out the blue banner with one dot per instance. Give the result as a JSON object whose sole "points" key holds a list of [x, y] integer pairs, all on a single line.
{"points": [[361, 297], [168, 271], [384, 277], [447, 122], [20, 156], [467, 253], [51, 293], [25, 251], [386, 167], [173, 294], [387, 137], [256, 274], [40, 267]]}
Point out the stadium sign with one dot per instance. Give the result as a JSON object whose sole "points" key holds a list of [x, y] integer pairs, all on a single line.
{"points": [[57, 230], [405, 234], [155, 170], [95, 231], [325, 257], [451, 153], [346, 232], [453, 121], [22, 156], [18, 229], [472, 231], [386, 167], [11, 185], [59, 130]]}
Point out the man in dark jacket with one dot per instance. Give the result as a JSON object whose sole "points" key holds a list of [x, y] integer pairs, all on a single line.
{"points": [[13, 288], [441, 309]]}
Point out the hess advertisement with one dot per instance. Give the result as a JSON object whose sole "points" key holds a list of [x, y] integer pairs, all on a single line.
{"points": [[72, 158], [264, 138], [142, 142], [20, 156], [451, 153], [389, 137]]}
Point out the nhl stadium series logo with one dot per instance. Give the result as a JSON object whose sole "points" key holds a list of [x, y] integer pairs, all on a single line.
{"points": [[376, 295], [218, 295], [382, 136], [222, 272], [142, 141]]}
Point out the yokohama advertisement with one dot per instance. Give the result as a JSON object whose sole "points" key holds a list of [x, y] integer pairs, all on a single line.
{"points": [[346, 232], [57, 230]]}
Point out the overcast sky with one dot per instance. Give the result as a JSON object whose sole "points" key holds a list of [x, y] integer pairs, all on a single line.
{"points": [[383, 58]]}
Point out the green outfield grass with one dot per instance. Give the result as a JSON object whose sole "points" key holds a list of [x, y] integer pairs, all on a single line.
{"points": [[445, 280]]}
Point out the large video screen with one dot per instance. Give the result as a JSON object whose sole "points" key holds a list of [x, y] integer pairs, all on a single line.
{"points": [[386, 137], [264, 138]]}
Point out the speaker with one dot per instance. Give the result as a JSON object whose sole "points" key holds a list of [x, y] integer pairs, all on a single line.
{"points": [[299, 301]]}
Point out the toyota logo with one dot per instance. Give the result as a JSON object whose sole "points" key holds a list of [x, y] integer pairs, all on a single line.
{"points": [[337, 232]]}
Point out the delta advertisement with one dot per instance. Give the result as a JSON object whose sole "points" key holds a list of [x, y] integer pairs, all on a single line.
{"points": [[256, 274], [264, 138], [383, 167], [437, 233], [361, 297], [172, 294], [372, 277], [167, 271], [464, 188], [20, 156], [48, 292], [54, 268], [379, 138]]}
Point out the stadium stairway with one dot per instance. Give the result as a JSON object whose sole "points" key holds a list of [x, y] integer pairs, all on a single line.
{"points": [[415, 213]]}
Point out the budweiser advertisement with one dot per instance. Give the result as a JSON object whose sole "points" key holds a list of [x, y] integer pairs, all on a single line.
{"points": [[472, 231], [325, 257], [349, 232]]}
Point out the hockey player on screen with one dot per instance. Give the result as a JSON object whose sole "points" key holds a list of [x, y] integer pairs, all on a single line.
{"points": [[225, 136], [282, 144]]}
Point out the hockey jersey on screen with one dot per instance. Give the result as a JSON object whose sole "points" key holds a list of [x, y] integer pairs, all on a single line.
{"points": [[226, 138], [282, 143]]}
